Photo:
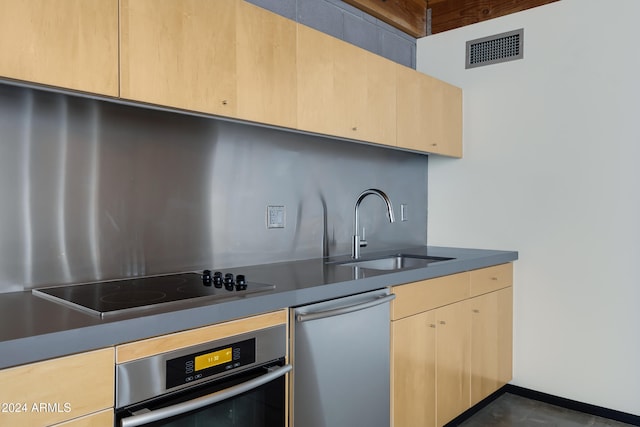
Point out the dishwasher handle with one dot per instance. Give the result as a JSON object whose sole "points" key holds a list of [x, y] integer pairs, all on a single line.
{"points": [[200, 402], [377, 300]]}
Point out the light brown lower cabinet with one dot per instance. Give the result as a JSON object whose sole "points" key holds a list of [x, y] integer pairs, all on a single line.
{"points": [[60, 390], [446, 359], [452, 361], [491, 342], [413, 371], [431, 366]]}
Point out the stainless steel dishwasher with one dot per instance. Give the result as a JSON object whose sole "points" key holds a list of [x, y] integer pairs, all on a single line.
{"points": [[341, 362]]}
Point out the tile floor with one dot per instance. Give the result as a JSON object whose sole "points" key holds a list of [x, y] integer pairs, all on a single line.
{"points": [[510, 410]]}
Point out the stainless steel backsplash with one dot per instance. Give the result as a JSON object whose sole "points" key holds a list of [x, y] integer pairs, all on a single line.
{"points": [[93, 190]]}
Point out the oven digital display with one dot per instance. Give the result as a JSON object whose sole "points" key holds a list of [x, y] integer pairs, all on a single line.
{"points": [[213, 359]]}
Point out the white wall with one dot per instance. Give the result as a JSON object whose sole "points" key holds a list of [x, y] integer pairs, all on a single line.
{"points": [[550, 168]]}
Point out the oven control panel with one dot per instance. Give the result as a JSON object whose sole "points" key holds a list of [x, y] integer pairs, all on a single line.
{"points": [[206, 363]]}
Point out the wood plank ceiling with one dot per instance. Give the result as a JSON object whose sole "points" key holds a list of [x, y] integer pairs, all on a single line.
{"points": [[410, 16]]}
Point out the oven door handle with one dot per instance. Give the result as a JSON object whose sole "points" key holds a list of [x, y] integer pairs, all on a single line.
{"points": [[200, 402]]}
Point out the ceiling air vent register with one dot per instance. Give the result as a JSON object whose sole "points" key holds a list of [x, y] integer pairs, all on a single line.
{"points": [[495, 49]]}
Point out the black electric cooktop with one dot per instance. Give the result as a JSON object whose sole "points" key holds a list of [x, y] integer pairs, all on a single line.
{"points": [[118, 296]]}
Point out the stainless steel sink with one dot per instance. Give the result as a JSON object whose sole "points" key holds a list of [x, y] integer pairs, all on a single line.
{"points": [[393, 262]]}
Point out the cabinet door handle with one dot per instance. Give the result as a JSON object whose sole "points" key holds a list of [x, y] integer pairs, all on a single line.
{"points": [[494, 278], [442, 322], [431, 325], [224, 102], [476, 310]]}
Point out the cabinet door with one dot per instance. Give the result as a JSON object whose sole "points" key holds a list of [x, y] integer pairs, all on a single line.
{"points": [[266, 66], [323, 79], [452, 361], [413, 370], [180, 53], [343, 90], [379, 119], [66, 43], [429, 114], [491, 342], [61, 389]]}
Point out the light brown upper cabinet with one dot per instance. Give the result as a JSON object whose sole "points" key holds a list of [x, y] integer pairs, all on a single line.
{"points": [[227, 58], [379, 122], [71, 44], [179, 53], [266, 66], [343, 90], [429, 114]]}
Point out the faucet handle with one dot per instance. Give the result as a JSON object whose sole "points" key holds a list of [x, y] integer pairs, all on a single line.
{"points": [[363, 240]]}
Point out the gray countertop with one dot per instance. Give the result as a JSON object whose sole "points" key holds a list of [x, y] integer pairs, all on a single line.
{"points": [[33, 329]]}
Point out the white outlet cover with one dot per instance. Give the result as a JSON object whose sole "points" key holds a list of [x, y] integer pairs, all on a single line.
{"points": [[403, 212]]}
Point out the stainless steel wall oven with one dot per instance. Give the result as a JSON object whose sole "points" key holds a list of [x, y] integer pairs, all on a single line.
{"points": [[238, 381]]}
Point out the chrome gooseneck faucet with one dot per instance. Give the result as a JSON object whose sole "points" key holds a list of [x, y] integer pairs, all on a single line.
{"points": [[358, 242]]}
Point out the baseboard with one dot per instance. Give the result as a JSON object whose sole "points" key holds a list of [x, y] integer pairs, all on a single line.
{"points": [[550, 399], [475, 408], [598, 411]]}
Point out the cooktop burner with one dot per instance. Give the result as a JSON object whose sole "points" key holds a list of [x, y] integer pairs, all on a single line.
{"points": [[118, 296]]}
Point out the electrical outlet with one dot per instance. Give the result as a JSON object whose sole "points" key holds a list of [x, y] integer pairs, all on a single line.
{"points": [[275, 216]]}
